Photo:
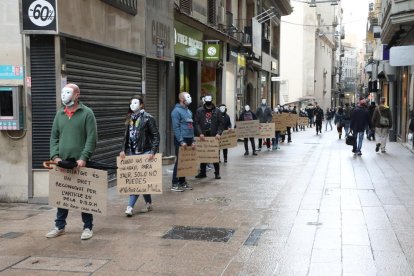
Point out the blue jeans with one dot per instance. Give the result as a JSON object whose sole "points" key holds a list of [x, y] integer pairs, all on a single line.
{"points": [[179, 180], [358, 142], [133, 198], [62, 214], [275, 141]]}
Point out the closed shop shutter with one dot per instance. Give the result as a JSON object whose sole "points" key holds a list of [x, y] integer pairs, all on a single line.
{"points": [[107, 79], [152, 88], [43, 99]]}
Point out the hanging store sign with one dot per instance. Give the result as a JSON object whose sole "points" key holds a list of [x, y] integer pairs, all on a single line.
{"points": [[188, 41], [212, 52], [402, 56], [39, 16]]}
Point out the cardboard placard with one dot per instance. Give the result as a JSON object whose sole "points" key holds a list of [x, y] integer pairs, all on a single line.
{"points": [[280, 121], [303, 121], [138, 175], [228, 139], [187, 162], [267, 130], [83, 189], [292, 119], [247, 129], [207, 150]]}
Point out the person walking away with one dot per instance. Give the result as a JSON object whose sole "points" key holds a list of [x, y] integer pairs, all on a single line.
{"points": [[309, 110], [329, 116], [73, 136], [275, 141], [371, 128], [208, 122], [226, 126], [339, 121], [264, 114], [382, 121], [141, 137], [248, 115], [287, 109], [318, 112], [347, 118], [182, 125], [358, 124]]}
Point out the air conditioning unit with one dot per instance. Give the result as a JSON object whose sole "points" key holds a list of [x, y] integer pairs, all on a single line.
{"points": [[221, 16]]}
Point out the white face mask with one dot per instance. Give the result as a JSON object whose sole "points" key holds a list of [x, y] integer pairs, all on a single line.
{"points": [[263, 101], [187, 99], [247, 108], [208, 99], [135, 104], [222, 109], [67, 96], [276, 109]]}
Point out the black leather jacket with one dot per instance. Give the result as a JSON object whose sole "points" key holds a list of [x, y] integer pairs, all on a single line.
{"points": [[148, 135]]}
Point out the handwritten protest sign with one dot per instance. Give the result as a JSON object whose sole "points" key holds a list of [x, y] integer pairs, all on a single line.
{"points": [[137, 174], [207, 150], [267, 130], [83, 189], [247, 129], [187, 162], [228, 139], [303, 121], [292, 119], [280, 121]]}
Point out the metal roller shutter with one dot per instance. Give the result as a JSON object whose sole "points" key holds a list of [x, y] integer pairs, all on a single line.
{"points": [[107, 79], [42, 63], [152, 88]]}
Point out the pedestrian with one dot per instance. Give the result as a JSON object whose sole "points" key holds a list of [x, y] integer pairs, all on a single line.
{"points": [[309, 110], [73, 136], [264, 114], [329, 116], [302, 113], [318, 113], [208, 122], [226, 126], [347, 118], [275, 140], [371, 128], [294, 111], [358, 124], [382, 121], [182, 125], [339, 121], [141, 137], [287, 109], [248, 115]]}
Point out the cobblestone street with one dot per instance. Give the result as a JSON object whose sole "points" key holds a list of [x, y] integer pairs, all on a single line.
{"points": [[310, 208]]}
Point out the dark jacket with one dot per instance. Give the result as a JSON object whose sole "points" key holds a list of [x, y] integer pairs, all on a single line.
{"points": [[318, 112], [359, 119], [247, 116], [339, 119], [226, 121], [264, 114], [309, 110], [148, 135], [217, 123], [385, 112]]}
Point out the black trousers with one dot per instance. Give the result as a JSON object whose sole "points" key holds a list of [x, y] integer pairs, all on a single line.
{"points": [[267, 143], [203, 167], [246, 146]]}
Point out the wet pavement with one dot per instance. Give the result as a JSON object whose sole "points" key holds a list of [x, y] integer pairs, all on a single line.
{"points": [[310, 208]]}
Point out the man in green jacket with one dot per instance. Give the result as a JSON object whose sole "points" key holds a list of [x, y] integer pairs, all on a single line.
{"points": [[382, 121], [74, 136]]}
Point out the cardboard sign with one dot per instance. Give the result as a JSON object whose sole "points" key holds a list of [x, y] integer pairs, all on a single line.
{"points": [[228, 139], [303, 121], [247, 129], [207, 150], [280, 121], [138, 175], [83, 189], [292, 119], [267, 130], [187, 162]]}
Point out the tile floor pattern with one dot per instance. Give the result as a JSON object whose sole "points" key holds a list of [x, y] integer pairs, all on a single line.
{"points": [[322, 210]]}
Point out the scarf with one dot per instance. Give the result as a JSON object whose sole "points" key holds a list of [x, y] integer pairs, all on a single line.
{"points": [[134, 131]]}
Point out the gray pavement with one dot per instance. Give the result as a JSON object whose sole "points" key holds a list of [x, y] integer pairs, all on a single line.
{"points": [[310, 208]]}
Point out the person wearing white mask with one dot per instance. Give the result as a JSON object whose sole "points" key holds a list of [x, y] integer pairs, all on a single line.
{"points": [[264, 114], [227, 125], [73, 136], [141, 137], [248, 115], [183, 128]]}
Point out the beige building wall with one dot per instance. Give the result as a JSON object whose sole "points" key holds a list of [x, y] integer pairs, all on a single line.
{"points": [[13, 152]]}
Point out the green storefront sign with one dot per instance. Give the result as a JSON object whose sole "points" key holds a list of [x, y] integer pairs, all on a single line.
{"points": [[188, 41], [212, 52]]}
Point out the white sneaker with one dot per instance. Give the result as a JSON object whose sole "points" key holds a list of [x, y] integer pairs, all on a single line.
{"points": [[55, 233], [86, 234], [149, 207], [128, 211]]}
